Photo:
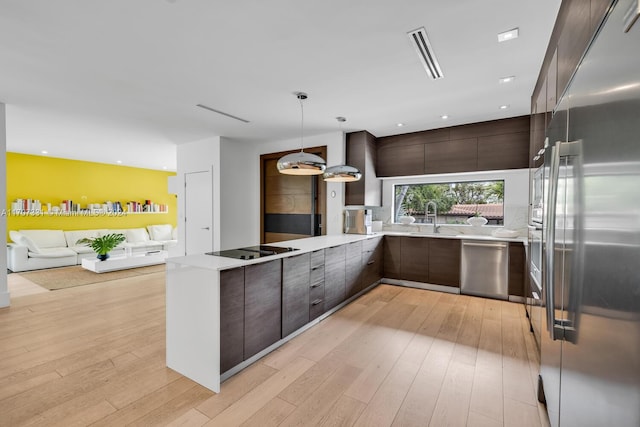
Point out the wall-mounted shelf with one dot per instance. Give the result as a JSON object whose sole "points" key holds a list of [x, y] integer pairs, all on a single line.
{"points": [[81, 214], [34, 208]]}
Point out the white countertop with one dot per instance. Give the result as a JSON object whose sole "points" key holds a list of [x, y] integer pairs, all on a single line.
{"points": [[315, 243]]}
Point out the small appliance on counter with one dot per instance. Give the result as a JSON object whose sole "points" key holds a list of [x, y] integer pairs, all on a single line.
{"points": [[358, 221]]}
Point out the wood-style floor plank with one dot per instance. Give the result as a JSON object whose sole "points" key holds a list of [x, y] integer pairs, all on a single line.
{"points": [[94, 355]]}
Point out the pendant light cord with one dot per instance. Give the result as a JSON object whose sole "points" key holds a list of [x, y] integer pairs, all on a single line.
{"points": [[301, 124]]}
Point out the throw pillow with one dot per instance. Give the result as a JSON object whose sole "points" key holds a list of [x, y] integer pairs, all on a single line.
{"points": [[160, 232]]}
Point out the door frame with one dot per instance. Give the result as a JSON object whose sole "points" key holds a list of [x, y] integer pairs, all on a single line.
{"points": [[321, 186]]}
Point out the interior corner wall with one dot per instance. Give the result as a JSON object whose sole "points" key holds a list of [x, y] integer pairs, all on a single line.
{"points": [[240, 185], [240, 195], [198, 156], [4, 287]]}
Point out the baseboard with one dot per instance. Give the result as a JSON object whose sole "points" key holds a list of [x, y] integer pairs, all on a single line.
{"points": [[421, 285], [5, 301]]}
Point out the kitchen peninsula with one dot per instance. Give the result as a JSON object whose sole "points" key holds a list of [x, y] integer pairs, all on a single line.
{"points": [[224, 313]]}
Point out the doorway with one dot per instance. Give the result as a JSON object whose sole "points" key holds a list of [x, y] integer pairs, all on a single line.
{"points": [[291, 207], [198, 219]]}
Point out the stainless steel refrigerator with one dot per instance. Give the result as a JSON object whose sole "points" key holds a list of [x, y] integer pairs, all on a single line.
{"points": [[590, 361]]}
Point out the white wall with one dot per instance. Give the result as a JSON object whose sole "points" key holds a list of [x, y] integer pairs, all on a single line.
{"points": [[203, 155], [240, 185], [4, 289], [516, 193]]}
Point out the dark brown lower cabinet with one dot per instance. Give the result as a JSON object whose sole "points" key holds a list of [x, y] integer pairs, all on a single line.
{"points": [[353, 268], [517, 269], [295, 292], [231, 318], [414, 260], [316, 287], [334, 276], [391, 257], [444, 262], [262, 308], [372, 262]]}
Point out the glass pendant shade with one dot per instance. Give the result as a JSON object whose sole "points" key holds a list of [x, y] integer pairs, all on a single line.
{"points": [[301, 163], [341, 173]]}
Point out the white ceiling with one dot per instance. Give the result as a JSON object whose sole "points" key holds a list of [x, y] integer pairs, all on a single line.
{"points": [[119, 79]]}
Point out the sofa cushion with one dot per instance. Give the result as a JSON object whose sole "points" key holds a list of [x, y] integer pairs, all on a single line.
{"points": [[73, 236], [53, 253], [161, 232], [24, 240], [46, 238], [81, 249], [137, 235]]}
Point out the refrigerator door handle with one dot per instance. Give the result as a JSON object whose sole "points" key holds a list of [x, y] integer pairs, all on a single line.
{"points": [[550, 237], [555, 327]]}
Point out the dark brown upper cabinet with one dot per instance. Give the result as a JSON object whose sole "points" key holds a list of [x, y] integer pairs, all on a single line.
{"points": [[575, 25], [361, 154], [507, 151], [492, 145], [400, 160], [459, 155]]}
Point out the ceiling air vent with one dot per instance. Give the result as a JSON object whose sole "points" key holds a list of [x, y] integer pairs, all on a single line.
{"points": [[223, 113], [425, 52]]}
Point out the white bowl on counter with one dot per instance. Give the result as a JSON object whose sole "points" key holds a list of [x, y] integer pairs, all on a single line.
{"points": [[406, 220], [477, 221], [503, 232]]}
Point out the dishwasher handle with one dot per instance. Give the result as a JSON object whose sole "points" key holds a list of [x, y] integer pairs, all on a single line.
{"points": [[498, 245]]}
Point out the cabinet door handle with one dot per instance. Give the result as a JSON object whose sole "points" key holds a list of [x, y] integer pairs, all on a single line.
{"points": [[316, 302], [371, 262], [315, 268], [316, 285]]}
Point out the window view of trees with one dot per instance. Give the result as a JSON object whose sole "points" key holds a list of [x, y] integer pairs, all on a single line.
{"points": [[456, 201]]}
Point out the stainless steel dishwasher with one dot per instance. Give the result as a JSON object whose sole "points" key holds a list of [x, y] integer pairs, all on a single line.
{"points": [[485, 269]]}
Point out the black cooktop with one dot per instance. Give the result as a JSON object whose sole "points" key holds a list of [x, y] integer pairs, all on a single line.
{"points": [[252, 252]]}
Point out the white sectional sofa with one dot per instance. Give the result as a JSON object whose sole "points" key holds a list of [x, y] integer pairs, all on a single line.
{"points": [[38, 249]]}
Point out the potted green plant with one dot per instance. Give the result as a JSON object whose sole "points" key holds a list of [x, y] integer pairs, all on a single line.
{"points": [[104, 244]]}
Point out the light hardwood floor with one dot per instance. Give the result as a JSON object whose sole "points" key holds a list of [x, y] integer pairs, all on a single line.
{"points": [[94, 355]]}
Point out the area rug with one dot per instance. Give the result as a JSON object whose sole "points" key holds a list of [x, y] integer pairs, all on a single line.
{"points": [[68, 277]]}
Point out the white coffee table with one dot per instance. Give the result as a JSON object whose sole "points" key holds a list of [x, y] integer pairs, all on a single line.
{"points": [[122, 262]]}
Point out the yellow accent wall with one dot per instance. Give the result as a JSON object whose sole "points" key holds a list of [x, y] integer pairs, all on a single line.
{"points": [[52, 180]]}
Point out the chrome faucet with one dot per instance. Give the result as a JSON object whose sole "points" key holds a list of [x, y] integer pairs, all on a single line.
{"points": [[433, 216]]}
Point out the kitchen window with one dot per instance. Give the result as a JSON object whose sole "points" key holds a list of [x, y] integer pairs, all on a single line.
{"points": [[456, 201]]}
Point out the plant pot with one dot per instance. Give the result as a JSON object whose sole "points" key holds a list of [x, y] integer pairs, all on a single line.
{"points": [[103, 257], [477, 221]]}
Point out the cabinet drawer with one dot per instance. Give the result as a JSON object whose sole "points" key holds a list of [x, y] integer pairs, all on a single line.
{"points": [[370, 244], [317, 274], [334, 254], [354, 250], [316, 291], [316, 308], [317, 258]]}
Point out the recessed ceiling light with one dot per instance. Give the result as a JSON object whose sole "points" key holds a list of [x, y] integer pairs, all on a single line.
{"points": [[507, 79], [119, 162], [164, 167], [444, 117], [44, 152], [400, 125], [508, 35], [504, 107]]}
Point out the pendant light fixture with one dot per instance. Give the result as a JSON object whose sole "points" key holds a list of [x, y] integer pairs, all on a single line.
{"points": [[301, 163], [341, 173]]}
